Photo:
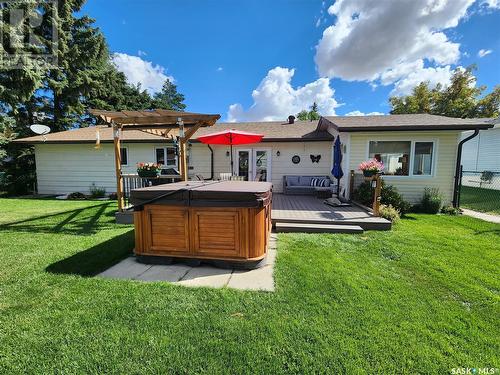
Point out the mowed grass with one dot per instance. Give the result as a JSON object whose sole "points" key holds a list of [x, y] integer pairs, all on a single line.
{"points": [[423, 298], [480, 199]]}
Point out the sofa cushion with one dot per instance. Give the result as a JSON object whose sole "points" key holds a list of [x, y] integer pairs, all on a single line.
{"points": [[292, 180], [320, 182]]}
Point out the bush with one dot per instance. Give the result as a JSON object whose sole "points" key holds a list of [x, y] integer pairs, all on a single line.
{"points": [[97, 192], [76, 195], [450, 210], [431, 201], [389, 212], [113, 196], [389, 196]]}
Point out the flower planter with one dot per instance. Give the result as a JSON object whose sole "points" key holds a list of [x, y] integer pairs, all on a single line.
{"points": [[369, 174], [148, 174]]}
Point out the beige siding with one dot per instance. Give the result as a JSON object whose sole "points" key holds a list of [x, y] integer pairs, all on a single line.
{"points": [[412, 187], [63, 169], [280, 165]]}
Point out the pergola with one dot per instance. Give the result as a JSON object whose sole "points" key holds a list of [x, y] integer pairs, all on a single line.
{"points": [[157, 121]]}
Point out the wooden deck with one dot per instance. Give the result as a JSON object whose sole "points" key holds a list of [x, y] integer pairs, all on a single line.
{"points": [[312, 210]]}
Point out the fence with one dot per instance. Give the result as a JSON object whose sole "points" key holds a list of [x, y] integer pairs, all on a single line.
{"points": [[480, 191], [133, 181]]}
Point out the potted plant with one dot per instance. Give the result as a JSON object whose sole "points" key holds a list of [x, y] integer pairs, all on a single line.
{"points": [[371, 167], [150, 170]]}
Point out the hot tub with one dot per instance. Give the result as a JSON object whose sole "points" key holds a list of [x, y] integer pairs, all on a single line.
{"points": [[226, 221]]}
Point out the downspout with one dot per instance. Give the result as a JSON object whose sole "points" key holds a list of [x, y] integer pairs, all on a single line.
{"points": [[456, 188], [211, 162]]}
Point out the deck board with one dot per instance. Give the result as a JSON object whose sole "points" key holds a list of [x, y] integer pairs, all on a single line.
{"points": [[309, 209]]}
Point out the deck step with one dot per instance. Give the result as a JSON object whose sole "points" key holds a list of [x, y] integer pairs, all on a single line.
{"points": [[317, 228]]}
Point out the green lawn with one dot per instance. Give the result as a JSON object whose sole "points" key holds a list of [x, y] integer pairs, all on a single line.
{"points": [[480, 199], [423, 298]]}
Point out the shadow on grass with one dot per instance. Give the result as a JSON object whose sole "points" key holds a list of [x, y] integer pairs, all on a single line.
{"points": [[81, 221], [492, 231], [97, 259]]}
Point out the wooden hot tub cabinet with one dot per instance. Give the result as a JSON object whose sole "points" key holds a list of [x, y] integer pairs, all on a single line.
{"points": [[228, 221]]}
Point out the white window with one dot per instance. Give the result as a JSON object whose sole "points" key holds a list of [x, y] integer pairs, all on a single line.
{"points": [[166, 156], [404, 158], [123, 156], [394, 154], [422, 163]]}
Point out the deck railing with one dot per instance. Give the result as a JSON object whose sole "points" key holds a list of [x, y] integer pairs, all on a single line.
{"points": [[134, 181]]}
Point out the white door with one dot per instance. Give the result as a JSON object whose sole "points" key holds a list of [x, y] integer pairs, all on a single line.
{"points": [[243, 163], [261, 164], [253, 164]]}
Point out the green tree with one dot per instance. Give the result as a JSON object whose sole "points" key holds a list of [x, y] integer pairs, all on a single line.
{"points": [[85, 77], [311, 115], [303, 115], [169, 98], [461, 98]]}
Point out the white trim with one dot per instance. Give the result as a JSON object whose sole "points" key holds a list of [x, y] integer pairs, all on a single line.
{"points": [[347, 169], [434, 164], [128, 156], [269, 162], [165, 151], [252, 154]]}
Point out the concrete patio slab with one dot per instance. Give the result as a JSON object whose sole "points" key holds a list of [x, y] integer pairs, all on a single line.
{"points": [[128, 268], [201, 276], [171, 273], [206, 276], [258, 279]]}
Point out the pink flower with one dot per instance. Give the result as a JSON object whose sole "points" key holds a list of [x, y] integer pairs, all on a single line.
{"points": [[371, 165]]}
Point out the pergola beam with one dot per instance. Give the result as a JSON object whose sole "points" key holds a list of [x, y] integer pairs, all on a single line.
{"points": [[152, 121]]}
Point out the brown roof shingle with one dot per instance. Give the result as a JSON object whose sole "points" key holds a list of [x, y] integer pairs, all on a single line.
{"points": [[88, 135], [403, 122], [273, 131], [279, 131]]}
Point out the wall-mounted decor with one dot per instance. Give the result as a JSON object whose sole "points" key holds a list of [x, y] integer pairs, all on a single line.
{"points": [[296, 159], [278, 153], [315, 158]]}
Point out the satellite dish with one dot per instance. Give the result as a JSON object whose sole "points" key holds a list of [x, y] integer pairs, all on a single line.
{"points": [[40, 129]]}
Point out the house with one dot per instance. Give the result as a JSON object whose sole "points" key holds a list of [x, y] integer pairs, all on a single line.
{"points": [[483, 152], [418, 150]]}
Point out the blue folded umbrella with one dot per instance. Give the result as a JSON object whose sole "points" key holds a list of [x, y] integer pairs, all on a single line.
{"points": [[337, 162]]}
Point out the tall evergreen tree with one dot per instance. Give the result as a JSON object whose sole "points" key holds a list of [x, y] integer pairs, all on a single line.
{"points": [[58, 97], [169, 98]]}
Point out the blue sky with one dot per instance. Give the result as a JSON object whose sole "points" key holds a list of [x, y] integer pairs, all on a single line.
{"points": [[219, 52]]}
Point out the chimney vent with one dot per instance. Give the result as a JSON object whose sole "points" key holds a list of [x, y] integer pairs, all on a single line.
{"points": [[291, 119]]}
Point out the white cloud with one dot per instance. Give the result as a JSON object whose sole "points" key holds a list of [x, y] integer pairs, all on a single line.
{"points": [[359, 113], [484, 52], [390, 41], [141, 53], [492, 3], [416, 73], [220, 69], [150, 76], [275, 98]]}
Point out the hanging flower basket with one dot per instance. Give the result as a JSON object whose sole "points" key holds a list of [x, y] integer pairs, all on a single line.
{"points": [[369, 174], [371, 168], [148, 170]]}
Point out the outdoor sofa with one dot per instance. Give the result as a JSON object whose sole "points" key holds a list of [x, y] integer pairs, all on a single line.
{"points": [[305, 185]]}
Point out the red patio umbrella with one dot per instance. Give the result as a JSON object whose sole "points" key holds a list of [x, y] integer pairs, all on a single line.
{"points": [[231, 137]]}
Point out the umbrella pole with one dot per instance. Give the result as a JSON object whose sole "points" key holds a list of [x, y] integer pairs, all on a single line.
{"points": [[338, 188], [232, 169]]}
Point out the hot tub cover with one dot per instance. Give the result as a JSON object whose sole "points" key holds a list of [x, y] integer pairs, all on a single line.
{"points": [[205, 194]]}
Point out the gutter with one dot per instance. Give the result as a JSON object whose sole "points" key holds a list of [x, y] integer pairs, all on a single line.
{"points": [[211, 162], [458, 167]]}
